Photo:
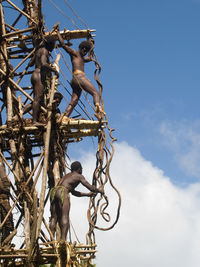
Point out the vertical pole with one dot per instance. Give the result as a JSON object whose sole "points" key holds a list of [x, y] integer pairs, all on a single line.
{"points": [[6, 88], [46, 154], [27, 226]]}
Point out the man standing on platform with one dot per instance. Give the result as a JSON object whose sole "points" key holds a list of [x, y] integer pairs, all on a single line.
{"points": [[41, 73], [60, 199], [79, 80]]}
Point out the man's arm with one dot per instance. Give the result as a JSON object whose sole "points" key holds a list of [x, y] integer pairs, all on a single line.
{"points": [[87, 59], [90, 53], [31, 62], [45, 63], [92, 188], [81, 194], [64, 46]]}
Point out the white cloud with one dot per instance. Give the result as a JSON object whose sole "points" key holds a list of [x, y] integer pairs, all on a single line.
{"points": [[183, 139], [159, 223]]}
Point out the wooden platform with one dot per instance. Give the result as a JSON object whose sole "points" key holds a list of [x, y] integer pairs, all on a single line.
{"points": [[62, 253], [71, 130]]}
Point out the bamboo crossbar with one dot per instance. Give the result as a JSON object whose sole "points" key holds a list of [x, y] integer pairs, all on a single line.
{"points": [[80, 124], [29, 55], [67, 35], [48, 254], [10, 53], [10, 34], [76, 34], [11, 27], [22, 73], [71, 124]]}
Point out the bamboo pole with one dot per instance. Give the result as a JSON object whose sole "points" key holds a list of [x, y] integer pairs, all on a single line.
{"points": [[17, 19], [21, 11], [29, 55], [17, 32], [36, 178], [34, 228], [46, 153], [71, 124], [8, 97], [11, 27], [20, 89], [67, 35], [26, 226], [8, 165], [8, 238], [76, 34]]}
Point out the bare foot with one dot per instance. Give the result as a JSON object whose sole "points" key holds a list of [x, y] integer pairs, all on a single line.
{"points": [[98, 116], [99, 113], [63, 118]]}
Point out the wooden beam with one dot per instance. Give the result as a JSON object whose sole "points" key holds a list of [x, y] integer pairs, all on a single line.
{"points": [[76, 34], [21, 11], [46, 152], [67, 35], [10, 34]]}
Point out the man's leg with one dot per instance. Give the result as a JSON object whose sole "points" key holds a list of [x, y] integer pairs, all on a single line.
{"points": [[38, 89], [53, 219], [89, 87], [76, 93], [64, 224]]}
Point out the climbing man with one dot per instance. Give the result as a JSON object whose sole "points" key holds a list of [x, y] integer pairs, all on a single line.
{"points": [[41, 73], [79, 80], [60, 200]]}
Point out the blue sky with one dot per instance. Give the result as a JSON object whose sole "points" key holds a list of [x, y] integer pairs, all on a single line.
{"points": [[149, 53], [150, 57]]}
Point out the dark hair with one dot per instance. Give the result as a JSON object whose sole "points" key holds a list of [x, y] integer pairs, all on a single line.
{"points": [[58, 95], [75, 166], [85, 44], [49, 40]]}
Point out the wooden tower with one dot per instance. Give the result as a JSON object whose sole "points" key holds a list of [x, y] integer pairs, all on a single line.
{"points": [[33, 158]]}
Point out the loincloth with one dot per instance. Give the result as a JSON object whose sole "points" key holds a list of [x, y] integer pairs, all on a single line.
{"points": [[47, 83], [55, 189], [77, 72]]}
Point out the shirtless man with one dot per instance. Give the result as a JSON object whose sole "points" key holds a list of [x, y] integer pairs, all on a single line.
{"points": [[60, 200], [39, 76], [56, 102], [79, 80]]}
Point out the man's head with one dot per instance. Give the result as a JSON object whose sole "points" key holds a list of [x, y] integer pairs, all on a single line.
{"points": [[84, 47], [58, 98], [50, 43], [76, 166]]}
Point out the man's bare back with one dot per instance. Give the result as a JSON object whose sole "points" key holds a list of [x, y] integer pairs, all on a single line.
{"points": [[60, 203], [73, 179]]}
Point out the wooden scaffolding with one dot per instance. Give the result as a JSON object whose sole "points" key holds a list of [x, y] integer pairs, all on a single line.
{"points": [[31, 155]]}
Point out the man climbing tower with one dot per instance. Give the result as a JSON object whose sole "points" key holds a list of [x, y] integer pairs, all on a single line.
{"points": [[60, 201], [40, 74], [79, 80]]}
